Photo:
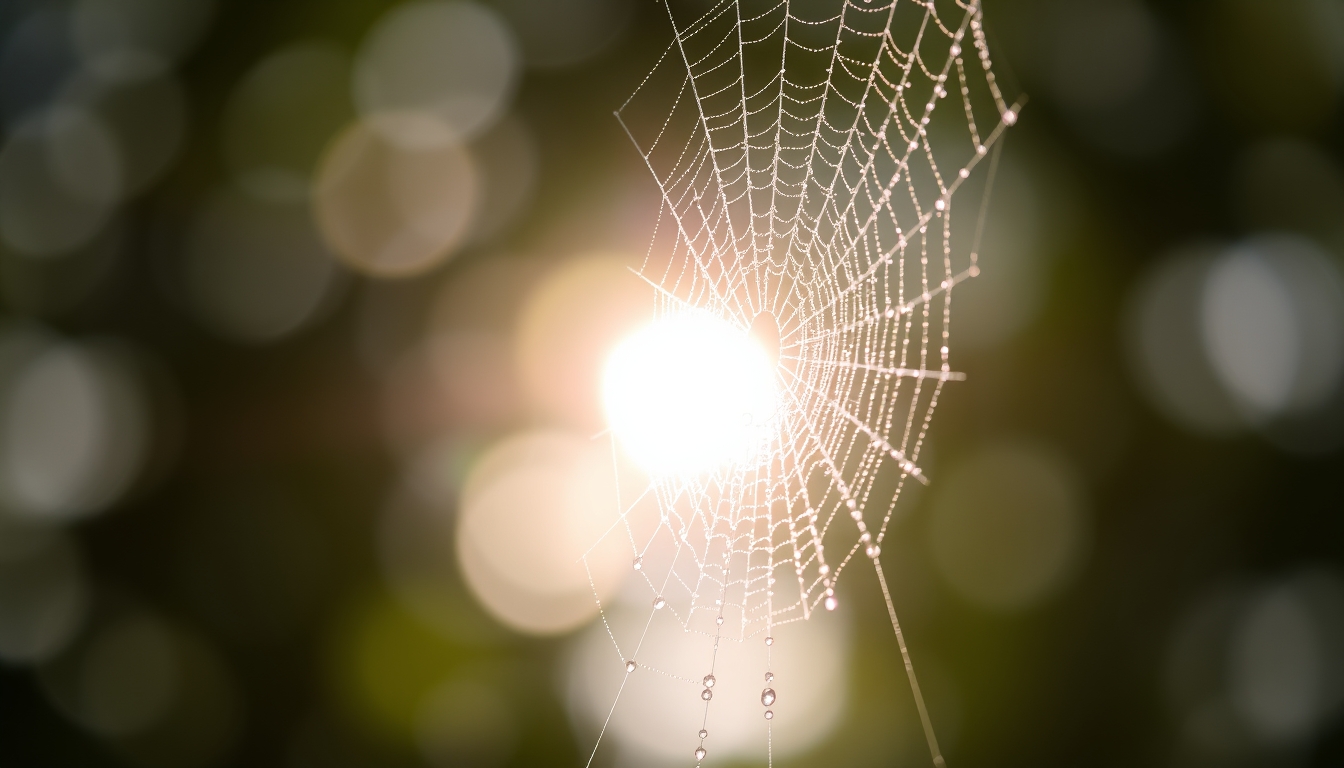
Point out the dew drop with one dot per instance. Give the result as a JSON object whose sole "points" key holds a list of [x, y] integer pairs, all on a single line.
{"points": [[639, 563], [659, 602], [769, 714], [719, 621], [769, 677], [769, 641], [630, 665], [831, 603], [709, 681], [768, 696], [703, 733], [700, 753]]}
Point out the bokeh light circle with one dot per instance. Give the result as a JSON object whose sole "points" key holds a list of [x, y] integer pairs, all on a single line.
{"points": [[530, 510], [1272, 319], [43, 592], [564, 33], [74, 427], [60, 177], [131, 39], [155, 693], [1008, 525], [1222, 339], [146, 117], [568, 328], [282, 114], [256, 271], [661, 709], [392, 211], [1255, 668], [128, 676], [431, 72]]}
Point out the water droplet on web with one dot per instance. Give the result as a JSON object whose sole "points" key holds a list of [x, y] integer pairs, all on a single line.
{"points": [[868, 337], [630, 665], [700, 753], [703, 733], [639, 563]]}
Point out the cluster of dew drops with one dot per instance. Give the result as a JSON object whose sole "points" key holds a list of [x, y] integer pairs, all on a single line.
{"points": [[767, 694], [1009, 117]]}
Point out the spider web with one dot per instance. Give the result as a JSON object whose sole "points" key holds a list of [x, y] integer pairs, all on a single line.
{"points": [[807, 155]]}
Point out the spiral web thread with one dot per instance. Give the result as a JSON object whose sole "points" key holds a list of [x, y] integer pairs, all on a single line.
{"points": [[802, 168]]}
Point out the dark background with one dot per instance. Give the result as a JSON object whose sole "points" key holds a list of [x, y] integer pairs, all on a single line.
{"points": [[253, 527]]}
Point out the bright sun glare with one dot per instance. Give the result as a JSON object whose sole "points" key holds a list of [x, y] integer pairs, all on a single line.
{"points": [[689, 394]]}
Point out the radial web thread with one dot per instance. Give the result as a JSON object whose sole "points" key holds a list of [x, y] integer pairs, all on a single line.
{"points": [[808, 155]]}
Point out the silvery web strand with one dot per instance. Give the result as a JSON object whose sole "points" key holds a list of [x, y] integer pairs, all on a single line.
{"points": [[807, 161]]}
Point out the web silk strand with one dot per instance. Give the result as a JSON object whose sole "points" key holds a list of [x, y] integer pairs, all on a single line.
{"points": [[807, 161]]}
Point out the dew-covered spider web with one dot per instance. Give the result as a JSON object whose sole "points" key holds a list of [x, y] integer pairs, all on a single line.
{"points": [[808, 155]]}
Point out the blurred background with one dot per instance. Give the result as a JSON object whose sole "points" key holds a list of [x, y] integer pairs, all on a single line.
{"points": [[304, 307]]}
